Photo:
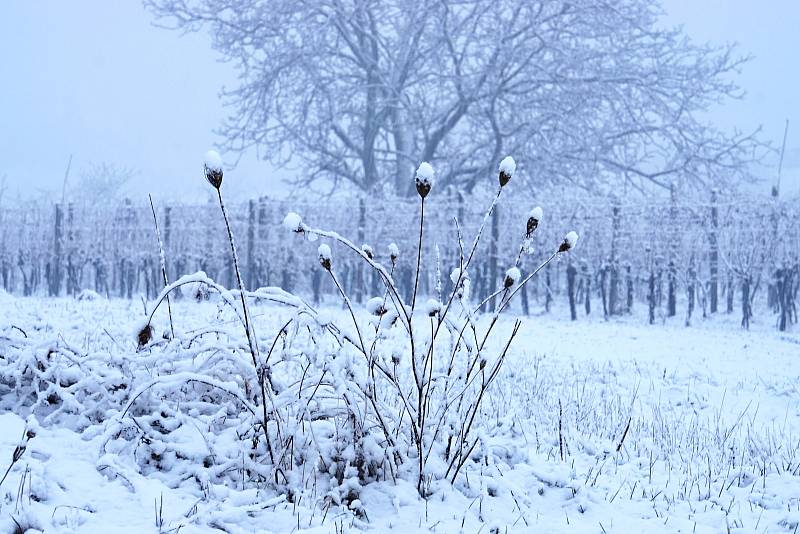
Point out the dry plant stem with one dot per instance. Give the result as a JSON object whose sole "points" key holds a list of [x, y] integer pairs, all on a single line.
{"points": [[368, 395], [380, 269], [10, 466], [377, 332], [503, 290], [496, 315], [419, 252], [422, 399], [250, 332], [350, 309], [197, 379], [505, 303], [428, 367], [247, 325], [527, 279], [519, 254], [484, 386], [479, 349], [163, 260], [464, 265]]}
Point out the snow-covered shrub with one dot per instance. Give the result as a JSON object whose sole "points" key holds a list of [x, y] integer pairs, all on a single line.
{"points": [[88, 295], [320, 406], [408, 382], [58, 382]]}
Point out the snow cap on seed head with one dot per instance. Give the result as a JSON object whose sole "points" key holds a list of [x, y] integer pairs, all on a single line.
{"points": [[375, 306], [512, 277], [534, 217], [433, 307], [31, 427], [569, 242], [463, 281], [507, 168], [424, 179], [324, 252], [293, 222], [394, 252], [212, 167]]}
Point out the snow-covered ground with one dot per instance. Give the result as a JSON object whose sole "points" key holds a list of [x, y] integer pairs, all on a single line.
{"points": [[597, 427]]}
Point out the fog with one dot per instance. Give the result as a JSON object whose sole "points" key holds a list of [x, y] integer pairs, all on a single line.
{"points": [[98, 81]]}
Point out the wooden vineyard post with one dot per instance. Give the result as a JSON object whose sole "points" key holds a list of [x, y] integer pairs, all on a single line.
{"points": [[58, 243], [672, 278], [613, 290], [250, 275], [713, 257]]}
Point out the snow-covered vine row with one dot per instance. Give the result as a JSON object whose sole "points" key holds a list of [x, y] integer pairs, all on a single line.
{"points": [[721, 253]]}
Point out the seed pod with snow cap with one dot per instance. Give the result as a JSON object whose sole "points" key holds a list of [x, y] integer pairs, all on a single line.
{"points": [[293, 222], [433, 307], [212, 167], [569, 242], [463, 281], [366, 249], [325, 256], [507, 168], [375, 306], [424, 179], [394, 253], [533, 221], [512, 276]]}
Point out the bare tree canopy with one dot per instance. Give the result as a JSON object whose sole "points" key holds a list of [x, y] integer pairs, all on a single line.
{"points": [[589, 93]]}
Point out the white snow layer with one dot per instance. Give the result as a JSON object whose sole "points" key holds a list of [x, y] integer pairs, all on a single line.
{"points": [[394, 250], [508, 166], [324, 252], [213, 161], [425, 172], [513, 274], [571, 239], [293, 222], [711, 447]]}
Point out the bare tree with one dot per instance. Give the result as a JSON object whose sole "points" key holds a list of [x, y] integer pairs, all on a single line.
{"points": [[594, 93], [101, 183]]}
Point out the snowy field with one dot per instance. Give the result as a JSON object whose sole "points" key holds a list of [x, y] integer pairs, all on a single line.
{"points": [[595, 427]]}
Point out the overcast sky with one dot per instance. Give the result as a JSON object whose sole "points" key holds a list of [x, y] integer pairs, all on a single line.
{"points": [[95, 79]]}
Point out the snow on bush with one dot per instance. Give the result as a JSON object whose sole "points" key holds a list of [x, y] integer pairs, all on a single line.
{"points": [[376, 306], [88, 295], [327, 402]]}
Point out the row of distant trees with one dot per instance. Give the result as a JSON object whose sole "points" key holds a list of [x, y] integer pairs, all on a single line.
{"points": [[681, 257]]}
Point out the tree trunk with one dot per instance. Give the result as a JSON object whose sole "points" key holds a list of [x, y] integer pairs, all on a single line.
{"points": [[571, 275]]}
